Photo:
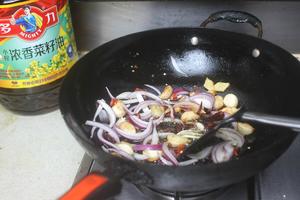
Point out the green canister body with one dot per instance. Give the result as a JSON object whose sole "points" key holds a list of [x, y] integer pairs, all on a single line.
{"points": [[37, 49]]}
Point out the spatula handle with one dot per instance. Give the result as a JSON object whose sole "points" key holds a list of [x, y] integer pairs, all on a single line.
{"points": [[290, 122]]}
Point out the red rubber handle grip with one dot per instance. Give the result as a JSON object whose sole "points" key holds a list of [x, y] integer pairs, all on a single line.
{"points": [[85, 187]]}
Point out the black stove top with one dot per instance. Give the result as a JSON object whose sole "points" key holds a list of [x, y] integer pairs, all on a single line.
{"points": [[280, 181]]}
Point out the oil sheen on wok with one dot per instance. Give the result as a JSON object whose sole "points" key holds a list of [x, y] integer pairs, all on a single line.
{"points": [[152, 125]]}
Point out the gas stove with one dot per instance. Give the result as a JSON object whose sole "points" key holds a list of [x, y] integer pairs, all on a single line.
{"points": [[280, 181]]}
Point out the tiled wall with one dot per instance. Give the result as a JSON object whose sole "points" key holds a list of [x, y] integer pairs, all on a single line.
{"points": [[97, 22]]}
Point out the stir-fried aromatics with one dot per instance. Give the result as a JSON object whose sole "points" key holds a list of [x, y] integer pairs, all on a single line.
{"points": [[156, 126]]}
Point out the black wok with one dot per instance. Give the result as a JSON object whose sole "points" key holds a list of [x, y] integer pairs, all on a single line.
{"points": [[264, 76]]}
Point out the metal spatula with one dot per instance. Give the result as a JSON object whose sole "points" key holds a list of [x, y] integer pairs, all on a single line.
{"points": [[241, 114]]}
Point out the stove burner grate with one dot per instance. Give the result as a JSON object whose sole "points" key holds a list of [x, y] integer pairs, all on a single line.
{"points": [[166, 195]]}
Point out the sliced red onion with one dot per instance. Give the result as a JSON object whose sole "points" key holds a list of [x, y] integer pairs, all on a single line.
{"points": [[141, 99], [145, 104], [153, 88], [142, 147], [110, 131], [145, 116], [231, 135], [147, 94], [213, 153], [99, 109], [94, 128], [104, 149], [137, 121], [101, 114], [165, 161], [131, 108], [103, 117], [222, 152], [104, 141], [182, 93], [168, 154], [187, 105], [202, 154], [226, 115], [180, 89], [188, 162], [219, 153], [118, 151], [147, 139], [93, 132], [136, 136], [169, 102], [155, 138], [130, 101], [159, 120], [160, 135], [109, 93], [171, 111], [121, 153], [143, 124], [139, 156], [128, 111], [124, 95], [110, 112], [207, 100]]}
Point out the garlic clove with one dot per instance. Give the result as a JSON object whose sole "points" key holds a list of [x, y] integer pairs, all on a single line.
{"points": [[189, 116], [167, 92], [209, 84], [231, 100], [125, 146], [221, 86], [157, 110], [244, 128], [127, 127], [152, 155], [176, 140], [229, 110], [118, 109], [218, 102]]}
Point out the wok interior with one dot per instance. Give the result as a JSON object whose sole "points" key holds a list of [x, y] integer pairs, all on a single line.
{"points": [[259, 84], [168, 57]]}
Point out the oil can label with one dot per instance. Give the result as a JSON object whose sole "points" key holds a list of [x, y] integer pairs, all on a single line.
{"points": [[37, 44]]}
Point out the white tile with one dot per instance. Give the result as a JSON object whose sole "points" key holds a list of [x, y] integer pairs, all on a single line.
{"points": [[39, 157]]}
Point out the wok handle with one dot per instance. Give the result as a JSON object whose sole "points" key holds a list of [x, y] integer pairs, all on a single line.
{"points": [[93, 187], [235, 17], [289, 122]]}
